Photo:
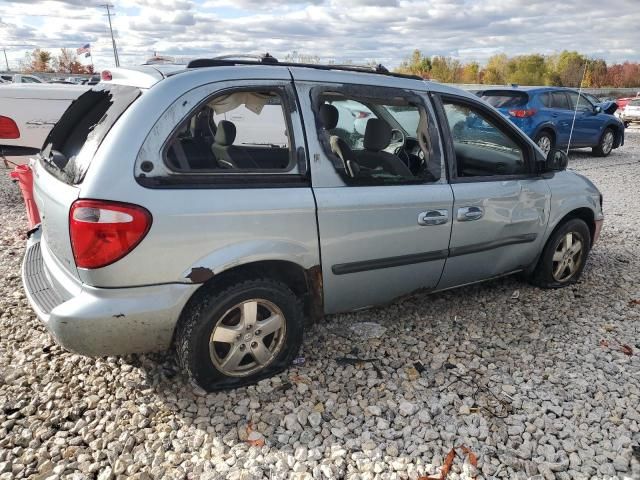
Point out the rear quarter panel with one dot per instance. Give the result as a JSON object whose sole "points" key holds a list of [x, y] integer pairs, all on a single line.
{"points": [[210, 228]]}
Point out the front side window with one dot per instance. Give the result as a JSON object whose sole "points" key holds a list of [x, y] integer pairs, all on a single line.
{"points": [[583, 104], [482, 148], [379, 141], [234, 132]]}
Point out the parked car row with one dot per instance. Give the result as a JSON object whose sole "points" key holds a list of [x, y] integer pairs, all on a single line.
{"points": [[559, 117], [258, 235]]}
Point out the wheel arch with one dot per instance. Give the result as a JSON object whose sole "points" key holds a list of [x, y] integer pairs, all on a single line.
{"points": [[547, 127], [585, 214], [306, 283]]}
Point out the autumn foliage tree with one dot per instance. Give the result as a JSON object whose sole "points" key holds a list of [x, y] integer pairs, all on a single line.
{"points": [[567, 68]]}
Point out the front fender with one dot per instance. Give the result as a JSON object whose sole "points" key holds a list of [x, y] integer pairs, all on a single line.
{"points": [[247, 252], [569, 192]]}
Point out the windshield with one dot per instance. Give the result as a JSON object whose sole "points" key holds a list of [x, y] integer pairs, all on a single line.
{"points": [[407, 116]]}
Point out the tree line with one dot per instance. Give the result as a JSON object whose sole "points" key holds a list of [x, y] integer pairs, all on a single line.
{"points": [[43, 61], [566, 69]]}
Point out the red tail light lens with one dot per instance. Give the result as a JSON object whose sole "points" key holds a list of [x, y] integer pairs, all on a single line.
{"points": [[522, 113], [103, 232], [106, 76], [8, 128]]}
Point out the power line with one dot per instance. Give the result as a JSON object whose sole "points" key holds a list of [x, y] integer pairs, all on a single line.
{"points": [[113, 40]]}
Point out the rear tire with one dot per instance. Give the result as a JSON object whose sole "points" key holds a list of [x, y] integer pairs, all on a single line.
{"points": [[564, 256], [239, 334], [605, 145], [545, 141]]}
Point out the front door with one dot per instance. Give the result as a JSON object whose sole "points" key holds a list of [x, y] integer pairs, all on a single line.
{"points": [[501, 207], [384, 207]]}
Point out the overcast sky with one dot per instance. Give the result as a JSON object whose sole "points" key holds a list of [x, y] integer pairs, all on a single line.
{"points": [[339, 30]]}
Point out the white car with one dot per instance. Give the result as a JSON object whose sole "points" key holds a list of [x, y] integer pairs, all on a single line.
{"points": [[631, 112], [29, 111], [20, 78]]}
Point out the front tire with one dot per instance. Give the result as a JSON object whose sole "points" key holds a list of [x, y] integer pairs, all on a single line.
{"points": [[237, 335], [605, 145], [564, 256]]}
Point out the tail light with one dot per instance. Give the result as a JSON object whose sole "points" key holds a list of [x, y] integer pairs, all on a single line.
{"points": [[106, 76], [102, 232], [525, 113], [8, 128]]}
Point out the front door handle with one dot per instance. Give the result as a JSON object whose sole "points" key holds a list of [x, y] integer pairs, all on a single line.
{"points": [[467, 214], [433, 217]]}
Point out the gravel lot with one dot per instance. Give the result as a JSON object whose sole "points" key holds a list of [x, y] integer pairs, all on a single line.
{"points": [[534, 382]]}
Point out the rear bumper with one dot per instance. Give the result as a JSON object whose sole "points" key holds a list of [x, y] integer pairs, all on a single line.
{"points": [[100, 321]]}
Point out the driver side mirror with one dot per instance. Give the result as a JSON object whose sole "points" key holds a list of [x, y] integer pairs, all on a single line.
{"points": [[597, 109], [557, 160]]}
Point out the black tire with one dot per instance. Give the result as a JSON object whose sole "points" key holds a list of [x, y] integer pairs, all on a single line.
{"points": [[543, 275], [603, 150], [209, 306], [545, 135]]}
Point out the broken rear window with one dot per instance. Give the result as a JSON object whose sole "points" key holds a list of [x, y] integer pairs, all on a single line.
{"points": [[71, 144]]}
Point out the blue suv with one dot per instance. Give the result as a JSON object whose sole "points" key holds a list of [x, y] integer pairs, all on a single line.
{"points": [[546, 114]]}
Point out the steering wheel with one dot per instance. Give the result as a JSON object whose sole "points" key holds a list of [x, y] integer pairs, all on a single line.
{"points": [[400, 150]]}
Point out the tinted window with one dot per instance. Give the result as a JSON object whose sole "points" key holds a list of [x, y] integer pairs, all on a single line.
{"points": [[583, 103], [482, 148], [81, 129], [500, 99], [238, 131], [559, 100]]}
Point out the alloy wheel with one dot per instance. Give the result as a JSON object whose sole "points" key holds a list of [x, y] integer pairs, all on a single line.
{"points": [[568, 257], [607, 142], [544, 142], [247, 338]]}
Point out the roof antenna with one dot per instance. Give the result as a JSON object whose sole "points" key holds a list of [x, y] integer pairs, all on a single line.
{"points": [[575, 111]]}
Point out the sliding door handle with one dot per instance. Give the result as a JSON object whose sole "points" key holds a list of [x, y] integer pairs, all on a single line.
{"points": [[433, 217]]}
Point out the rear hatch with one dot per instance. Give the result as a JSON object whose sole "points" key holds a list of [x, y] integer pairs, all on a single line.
{"points": [[66, 157]]}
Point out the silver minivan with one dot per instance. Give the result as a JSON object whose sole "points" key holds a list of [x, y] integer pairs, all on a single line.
{"points": [[221, 207]]}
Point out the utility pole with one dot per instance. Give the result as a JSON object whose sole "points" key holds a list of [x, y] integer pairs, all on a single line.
{"points": [[5, 58], [113, 41]]}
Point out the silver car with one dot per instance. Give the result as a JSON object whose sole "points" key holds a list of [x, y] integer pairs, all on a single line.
{"points": [[217, 209]]}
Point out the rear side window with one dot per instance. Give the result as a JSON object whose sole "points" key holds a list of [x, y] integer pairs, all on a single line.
{"points": [[235, 132], [505, 99], [82, 128], [559, 100]]}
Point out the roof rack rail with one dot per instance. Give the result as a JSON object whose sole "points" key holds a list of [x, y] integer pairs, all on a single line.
{"points": [[267, 59]]}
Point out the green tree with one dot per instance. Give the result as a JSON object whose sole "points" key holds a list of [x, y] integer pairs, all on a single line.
{"points": [[446, 69], [495, 73], [527, 70], [416, 64], [470, 73], [570, 68]]}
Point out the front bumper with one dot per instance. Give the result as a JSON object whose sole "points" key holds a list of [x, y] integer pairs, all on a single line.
{"points": [[100, 321], [630, 117]]}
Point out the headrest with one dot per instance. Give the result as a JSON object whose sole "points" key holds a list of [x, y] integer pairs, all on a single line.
{"points": [[377, 135], [329, 116], [226, 133]]}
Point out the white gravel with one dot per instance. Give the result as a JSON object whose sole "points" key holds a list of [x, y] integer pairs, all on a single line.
{"points": [[533, 382]]}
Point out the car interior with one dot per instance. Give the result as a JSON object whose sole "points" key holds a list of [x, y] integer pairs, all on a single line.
{"points": [[381, 148], [482, 149], [239, 131]]}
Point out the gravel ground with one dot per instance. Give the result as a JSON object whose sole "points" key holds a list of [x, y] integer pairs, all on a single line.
{"points": [[534, 382]]}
